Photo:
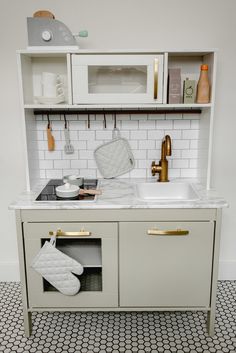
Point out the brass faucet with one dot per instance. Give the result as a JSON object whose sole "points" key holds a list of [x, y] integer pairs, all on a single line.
{"points": [[162, 167]]}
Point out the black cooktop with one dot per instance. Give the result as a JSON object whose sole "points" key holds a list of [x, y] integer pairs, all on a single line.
{"points": [[49, 192]]}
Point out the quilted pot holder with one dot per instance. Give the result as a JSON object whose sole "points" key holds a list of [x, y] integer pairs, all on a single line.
{"points": [[115, 157], [56, 267]]}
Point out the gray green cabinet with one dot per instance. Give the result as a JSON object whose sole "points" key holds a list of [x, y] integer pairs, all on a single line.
{"points": [[99, 282], [167, 269], [128, 264]]}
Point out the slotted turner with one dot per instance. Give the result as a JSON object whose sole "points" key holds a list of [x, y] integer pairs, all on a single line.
{"points": [[68, 148]]}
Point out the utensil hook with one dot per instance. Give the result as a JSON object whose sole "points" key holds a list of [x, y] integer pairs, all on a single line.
{"points": [[104, 120], [49, 124], [114, 120], [65, 121], [88, 121]]}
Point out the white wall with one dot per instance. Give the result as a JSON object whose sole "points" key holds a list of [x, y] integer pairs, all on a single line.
{"points": [[135, 24]]}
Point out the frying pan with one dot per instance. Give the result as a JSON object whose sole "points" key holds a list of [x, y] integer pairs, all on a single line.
{"points": [[73, 180], [68, 190]]}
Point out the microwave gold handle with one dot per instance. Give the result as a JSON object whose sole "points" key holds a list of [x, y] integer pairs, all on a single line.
{"points": [[155, 78], [60, 233], [176, 232]]}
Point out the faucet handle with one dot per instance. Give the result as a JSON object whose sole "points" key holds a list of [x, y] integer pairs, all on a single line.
{"points": [[155, 168]]}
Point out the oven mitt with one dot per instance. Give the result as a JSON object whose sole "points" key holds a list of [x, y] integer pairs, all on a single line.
{"points": [[57, 267]]}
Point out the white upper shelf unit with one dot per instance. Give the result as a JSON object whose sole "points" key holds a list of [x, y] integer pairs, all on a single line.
{"points": [[111, 78]]}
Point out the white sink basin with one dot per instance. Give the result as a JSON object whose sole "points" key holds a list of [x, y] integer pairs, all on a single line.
{"points": [[166, 191]]}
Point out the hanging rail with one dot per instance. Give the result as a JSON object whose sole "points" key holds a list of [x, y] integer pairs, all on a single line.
{"points": [[115, 111]]}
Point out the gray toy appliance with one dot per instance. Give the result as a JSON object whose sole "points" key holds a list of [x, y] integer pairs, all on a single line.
{"points": [[50, 33]]}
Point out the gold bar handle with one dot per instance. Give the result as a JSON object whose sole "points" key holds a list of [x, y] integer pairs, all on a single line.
{"points": [[60, 233], [155, 78], [167, 232]]}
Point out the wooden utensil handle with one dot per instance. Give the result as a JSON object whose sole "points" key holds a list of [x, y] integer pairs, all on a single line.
{"points": [[51, 141], [90, 192]]}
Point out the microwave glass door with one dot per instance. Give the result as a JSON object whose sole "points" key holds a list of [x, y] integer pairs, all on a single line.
{"points": [[117, 79]]}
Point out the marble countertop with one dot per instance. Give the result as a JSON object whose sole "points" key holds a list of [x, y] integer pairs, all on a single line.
{"points": [[118, 194]]}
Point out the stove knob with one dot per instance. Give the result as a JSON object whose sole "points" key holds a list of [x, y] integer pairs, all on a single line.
{"points": [[46, 36]]}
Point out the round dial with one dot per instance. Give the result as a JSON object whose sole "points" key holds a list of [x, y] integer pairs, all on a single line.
{"points": [[46, 35]]}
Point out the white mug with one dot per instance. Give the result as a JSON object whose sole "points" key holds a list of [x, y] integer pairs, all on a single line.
{"points": [[49, 78], [51, 85], [52, 90]]}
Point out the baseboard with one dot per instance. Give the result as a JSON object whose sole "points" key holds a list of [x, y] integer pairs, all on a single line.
{"points": [[9, 271], [227, 270]]}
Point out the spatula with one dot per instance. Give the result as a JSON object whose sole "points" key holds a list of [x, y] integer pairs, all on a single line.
{"points": [[68, 148], [51, 141]]}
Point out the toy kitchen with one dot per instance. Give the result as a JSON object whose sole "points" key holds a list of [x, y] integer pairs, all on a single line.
{"points": [[119, 214]]}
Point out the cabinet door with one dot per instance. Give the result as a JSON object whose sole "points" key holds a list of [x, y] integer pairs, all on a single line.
{"points": [[165, 270], [117, 78], [96, 252]]}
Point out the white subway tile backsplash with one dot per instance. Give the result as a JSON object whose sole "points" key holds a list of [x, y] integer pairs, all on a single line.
{"points": [[133, 144], [78, 125], [54, 173], [190, 134], [62, 164], [164, 124], [146, 144], [189, 154], [181, 124], [175, 134], [147, 124], [87, 135], [195, 124], [193, 144], [139, 154], [104, 135], [53, 155], [71, 171], [153, 154], [180, 163], [188, 173], [181, 144], [72, 134], [74, 155], [129, 125], [193, 163], [41, 154], [143, 163], [155, 134], [42, 174], [138, 134], [92, 145], [144, 133], [174, 116], [174, 173], [92, 164], [86, 154], [88, 173], [45, 164], [42, 145], [77, 164], [40, 135], [138, 173], [79, 145], [56, 135]]}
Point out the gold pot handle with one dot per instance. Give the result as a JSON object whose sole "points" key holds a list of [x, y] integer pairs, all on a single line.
{"points": [[60, 233], [155, 78], [177, 232]]}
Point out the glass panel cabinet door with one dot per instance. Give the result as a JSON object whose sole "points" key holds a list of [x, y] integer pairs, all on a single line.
{"points": [[117, 78], [96, 251]]}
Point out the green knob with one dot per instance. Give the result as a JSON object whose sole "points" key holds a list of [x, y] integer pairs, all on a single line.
{"points": [[83, 33]]}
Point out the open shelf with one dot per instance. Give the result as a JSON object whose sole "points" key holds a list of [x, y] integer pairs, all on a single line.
{"points": [[90, 280]]}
